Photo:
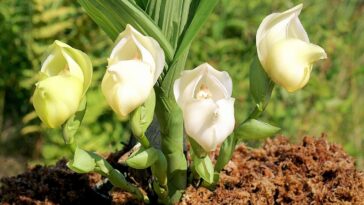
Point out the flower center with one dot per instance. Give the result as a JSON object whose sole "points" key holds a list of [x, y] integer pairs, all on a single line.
{"points": [[65, 71], [203, 92], [137, 56]]}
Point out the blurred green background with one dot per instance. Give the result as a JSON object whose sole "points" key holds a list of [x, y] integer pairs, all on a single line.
{"points": [[331, 103]]}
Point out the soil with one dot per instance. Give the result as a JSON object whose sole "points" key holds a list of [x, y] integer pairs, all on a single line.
{"points": [[312, 172]]}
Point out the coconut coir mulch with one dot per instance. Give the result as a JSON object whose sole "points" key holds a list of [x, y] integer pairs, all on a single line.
{"points": [[313, 172]]}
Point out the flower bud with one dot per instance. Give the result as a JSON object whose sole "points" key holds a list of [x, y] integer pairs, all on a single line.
{"points": [[66, 75], [134, 67], [204, 95], [284, 49]]}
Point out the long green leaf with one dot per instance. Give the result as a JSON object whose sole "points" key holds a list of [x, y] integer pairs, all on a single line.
{"points": [[204, 9], [113, 15], [170, 16], [142, 3]]}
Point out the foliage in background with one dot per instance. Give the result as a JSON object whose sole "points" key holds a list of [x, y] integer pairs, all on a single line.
{"points": [[330, 103]]}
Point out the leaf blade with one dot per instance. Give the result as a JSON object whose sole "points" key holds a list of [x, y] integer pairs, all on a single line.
{"points": [[203, 11], [261, 86], [255, 129]]}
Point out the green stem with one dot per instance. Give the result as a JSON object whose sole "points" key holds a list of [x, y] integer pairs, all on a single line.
{"points": [[72, 147], [171, 125], [170, 119], [160, 185], [144, 141], [259, 110], [254, 114]]}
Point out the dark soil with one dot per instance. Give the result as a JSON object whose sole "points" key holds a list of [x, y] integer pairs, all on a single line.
{"points": [[313, 172]]}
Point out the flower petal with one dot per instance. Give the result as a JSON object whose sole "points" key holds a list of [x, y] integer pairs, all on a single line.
{"points": [[198, 118], [56, 98], [126, 85], [144, 44], [54, 63], [184, 87], [209, 123], [291, 62], [277, 27], [187, 85], [225, 121]]}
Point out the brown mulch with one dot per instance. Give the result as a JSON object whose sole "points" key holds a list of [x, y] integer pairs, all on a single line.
{"points": [[313, 172], [50, 185]]}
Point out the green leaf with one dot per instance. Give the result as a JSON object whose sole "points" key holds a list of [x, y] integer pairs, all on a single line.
{"points": [[204, 168], [255, 130], [159, 169], [142, 3], [226, 152], [197, 149], [73, 123], [112, 16], [82, 162], [212, 186], [170, 16], [102, 166], [143, 159], [85, 162], [203, 11], [260, 85], [166, 87], [117, 179]]}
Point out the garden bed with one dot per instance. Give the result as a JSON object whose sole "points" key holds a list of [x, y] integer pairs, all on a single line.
{"points": [[312, 172]]}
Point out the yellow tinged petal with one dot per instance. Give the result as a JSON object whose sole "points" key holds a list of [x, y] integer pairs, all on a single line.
{"points": [[290, 62], [57, 98]]}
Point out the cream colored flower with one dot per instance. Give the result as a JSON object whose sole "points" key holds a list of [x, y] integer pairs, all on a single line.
{"points": [[66, 75], [134, 67], [204, 95], [285, 51]]}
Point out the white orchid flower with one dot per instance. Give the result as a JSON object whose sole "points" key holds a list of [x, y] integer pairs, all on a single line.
{"points": [[285, 51], [135, 65], [204, 95]]}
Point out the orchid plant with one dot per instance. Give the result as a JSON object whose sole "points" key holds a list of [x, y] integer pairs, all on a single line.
{"points": [[146, 82]]}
